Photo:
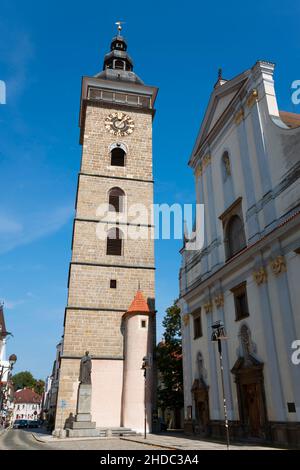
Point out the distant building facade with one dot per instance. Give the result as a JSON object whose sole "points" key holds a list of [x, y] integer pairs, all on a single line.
{"points": [[6, 386], [27, 405], [246, 162], [51, 389], [4, 364]]}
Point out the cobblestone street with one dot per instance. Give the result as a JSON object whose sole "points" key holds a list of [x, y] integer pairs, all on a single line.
{"points": [[14, 439]]}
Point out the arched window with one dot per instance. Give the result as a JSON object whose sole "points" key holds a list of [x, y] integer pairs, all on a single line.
{"points": [[236, 239], [114, 242], [226, 169], [117, 157], [116, 200]]}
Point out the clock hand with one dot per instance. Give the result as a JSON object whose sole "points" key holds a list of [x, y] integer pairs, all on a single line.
{"points": [[120, 124]]}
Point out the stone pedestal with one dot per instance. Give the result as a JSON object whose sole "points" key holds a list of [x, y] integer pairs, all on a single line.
{"points": [[83, 426]]}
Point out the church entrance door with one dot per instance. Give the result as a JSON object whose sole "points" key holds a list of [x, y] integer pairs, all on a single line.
{"points": [[252, 400], [251, 397], [200, 393]]}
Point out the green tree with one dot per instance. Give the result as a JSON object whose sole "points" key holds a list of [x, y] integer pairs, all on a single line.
{"points": [[23, 379], [39, 386], [169, 362], [26, 379]]}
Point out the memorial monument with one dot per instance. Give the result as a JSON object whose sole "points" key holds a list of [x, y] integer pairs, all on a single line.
{"points": [[83, 426]]}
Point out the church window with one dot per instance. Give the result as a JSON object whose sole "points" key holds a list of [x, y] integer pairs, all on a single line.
{"points": [[143, 323], [116, 200], [197, 324], [240, 301], [113, 283], [114, 242], [236, 239], [117, 157]]}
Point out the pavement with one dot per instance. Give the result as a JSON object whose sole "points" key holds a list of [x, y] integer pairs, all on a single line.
{"points": [[19, 439], [182, 442]]}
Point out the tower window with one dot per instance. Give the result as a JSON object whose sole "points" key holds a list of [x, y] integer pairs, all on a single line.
{"points": [[114, 242], [119, 64], [117, 157], [113, 284], [116, 200], [143, 324]]}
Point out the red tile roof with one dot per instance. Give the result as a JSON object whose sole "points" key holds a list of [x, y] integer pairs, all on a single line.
{"points": [[26, 395], [139, 304], [290, 119]]}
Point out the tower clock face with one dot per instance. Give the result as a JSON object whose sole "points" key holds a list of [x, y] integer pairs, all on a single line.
{"points": [[119, 124]]}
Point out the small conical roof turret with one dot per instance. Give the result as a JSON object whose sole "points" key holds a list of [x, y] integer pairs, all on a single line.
{"points": [[139, 304]]}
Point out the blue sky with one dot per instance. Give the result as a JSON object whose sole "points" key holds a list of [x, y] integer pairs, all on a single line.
{"points": [[45, 48]]}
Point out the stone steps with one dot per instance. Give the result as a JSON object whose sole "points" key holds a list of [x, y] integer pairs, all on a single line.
{"points": [[118, 431]]}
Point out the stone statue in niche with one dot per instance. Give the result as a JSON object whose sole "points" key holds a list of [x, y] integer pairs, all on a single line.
{"points": [[85, 369]]}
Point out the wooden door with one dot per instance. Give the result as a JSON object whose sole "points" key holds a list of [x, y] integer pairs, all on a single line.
{"points": [[252, 397]]}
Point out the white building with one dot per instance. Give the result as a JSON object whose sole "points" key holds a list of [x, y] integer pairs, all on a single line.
{"points": [[51, 388], [6, 387], [4, 364], [27, 405], [246, 162]]}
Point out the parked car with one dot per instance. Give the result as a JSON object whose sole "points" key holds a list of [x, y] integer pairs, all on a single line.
{"points": [[33, 424], [20, 423]]}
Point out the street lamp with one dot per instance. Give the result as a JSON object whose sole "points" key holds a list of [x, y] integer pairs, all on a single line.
{"points": [[145, 366], [12, 360], [218, 335]]}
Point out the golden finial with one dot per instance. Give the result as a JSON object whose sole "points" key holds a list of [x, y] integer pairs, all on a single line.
{"points": [[119, 24]]}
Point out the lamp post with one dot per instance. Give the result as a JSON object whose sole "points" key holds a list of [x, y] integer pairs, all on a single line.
{"points": [[145, 366], [218, 335]]}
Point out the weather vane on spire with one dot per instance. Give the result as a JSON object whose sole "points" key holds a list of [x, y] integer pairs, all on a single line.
{"points": [[119, 24]]}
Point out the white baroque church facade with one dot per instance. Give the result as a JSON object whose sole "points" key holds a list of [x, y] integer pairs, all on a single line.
{"points": [[246, 162]]}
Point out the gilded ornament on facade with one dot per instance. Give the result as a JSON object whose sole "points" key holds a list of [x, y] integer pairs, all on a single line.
{"points": [[260, 276], [252, 98], [198, 171], [206, 160], [219, 300], [186, 319], [208, 307], [278, 265], [239, 116]]}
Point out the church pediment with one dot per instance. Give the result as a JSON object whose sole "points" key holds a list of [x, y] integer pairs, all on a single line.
{"points": [[220, 100], [199, 385], [244, 363]]}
